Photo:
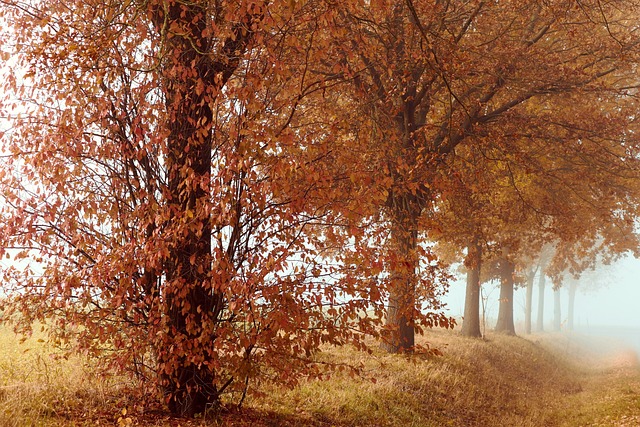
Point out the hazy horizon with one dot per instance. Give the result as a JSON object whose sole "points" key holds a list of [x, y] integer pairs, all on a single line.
{"points": [[615, 303]]}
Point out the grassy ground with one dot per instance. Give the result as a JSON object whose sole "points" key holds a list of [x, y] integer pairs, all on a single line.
{"points": [[543, 380], [38, 388]]}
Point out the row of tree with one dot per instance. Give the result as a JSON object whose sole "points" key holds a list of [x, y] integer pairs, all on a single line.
{"points": [[206, 192], [591, 275]]}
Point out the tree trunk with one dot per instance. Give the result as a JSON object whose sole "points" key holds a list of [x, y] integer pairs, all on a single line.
{"points": [[505, 323], [471, 319], [402, 286], [541, 283], [573, 287], [189, 298], [194, 77], [529, 301], [557, 310]]}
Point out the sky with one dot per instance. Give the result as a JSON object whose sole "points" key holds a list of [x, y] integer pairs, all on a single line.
{"points": [[616, 303]]}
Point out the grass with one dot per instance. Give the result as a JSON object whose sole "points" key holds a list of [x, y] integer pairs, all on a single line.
{"points": [[476, 383], [610, 373], [40, 388], [544, 380]]}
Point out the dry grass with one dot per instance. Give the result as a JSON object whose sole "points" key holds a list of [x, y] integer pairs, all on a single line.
{"points": [[544, 380], [505, 381], [39, 388]]}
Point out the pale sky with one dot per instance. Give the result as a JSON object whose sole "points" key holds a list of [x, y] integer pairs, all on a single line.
{"points": [[617, 304]]}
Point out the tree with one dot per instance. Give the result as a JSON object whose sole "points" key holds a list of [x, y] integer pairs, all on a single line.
{"points": [[591, 271], [557, 309], [435, 78], [541, 286], [170, 217], [471, 321], [543, 261], [505, 323], [192, 81], [481, 206], [531, 274]]}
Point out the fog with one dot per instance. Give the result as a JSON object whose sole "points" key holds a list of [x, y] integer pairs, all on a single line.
{"points": [[612, 310]]}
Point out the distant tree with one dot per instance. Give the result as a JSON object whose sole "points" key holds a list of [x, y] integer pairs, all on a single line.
{"points": [[530, 276], [505, 323], [473, 264], [593, 276], [543, 261], [557, 309], [541, 289]]}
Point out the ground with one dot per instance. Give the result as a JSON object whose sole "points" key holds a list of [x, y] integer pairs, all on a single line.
{"points": [[537, 380]]}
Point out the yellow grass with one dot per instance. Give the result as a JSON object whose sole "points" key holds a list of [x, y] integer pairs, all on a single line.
{"points": [[39, 388], [543, 380]]}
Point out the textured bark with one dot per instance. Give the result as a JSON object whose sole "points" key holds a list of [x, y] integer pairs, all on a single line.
{"points": [[190, 386], [405, 208], [541, 285], [193, 79], [505, 323], [402, 288], [471, 320]]}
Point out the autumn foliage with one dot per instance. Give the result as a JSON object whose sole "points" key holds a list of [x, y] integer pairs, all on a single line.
{"points": [[204, 193], [154, 205]]}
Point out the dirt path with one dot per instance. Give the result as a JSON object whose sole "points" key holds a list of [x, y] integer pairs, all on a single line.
{"points": [[609, 370]]}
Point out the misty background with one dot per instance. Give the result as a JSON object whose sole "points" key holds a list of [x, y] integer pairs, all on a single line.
{"points": [[612, 309]]}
